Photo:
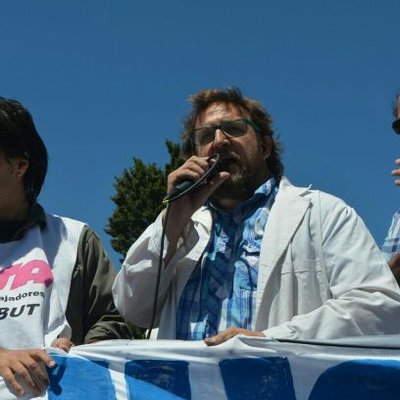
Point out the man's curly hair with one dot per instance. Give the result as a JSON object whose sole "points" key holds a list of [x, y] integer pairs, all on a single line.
{"points": [[248, 107]]}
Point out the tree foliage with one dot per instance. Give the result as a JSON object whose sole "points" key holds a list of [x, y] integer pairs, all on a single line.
{"points": [[138, 199], [139, 193]]}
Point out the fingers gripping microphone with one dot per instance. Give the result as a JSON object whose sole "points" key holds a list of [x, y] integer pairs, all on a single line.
{"points": [[187, 186]]}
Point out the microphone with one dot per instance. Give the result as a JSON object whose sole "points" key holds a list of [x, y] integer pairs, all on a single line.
{"points": [[188, 185]]}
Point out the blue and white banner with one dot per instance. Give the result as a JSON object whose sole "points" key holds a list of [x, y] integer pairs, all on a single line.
{"points": [[243, 368]]}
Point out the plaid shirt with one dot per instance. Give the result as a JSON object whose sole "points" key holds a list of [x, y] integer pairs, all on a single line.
{"points": [[391, 244], [222, 293]]}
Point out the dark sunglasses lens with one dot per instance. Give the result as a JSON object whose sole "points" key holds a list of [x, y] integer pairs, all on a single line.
{"points": [[234, 128], [396, 126], [204, 135]]}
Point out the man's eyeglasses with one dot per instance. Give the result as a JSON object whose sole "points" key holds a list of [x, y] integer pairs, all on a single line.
{"points": [[235, 128]]}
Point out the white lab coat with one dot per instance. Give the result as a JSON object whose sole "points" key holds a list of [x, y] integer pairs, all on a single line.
{"points": [[321, 275]]}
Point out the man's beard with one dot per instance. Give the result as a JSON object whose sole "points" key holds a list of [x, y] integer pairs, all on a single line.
{"points": [[246, 177]]}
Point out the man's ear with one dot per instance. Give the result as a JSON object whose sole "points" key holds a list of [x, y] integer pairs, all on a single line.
{"points": [[267, 145], [20, 165]]}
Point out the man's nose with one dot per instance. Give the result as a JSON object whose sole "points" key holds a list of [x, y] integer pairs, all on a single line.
{"points": [[220, 139]]}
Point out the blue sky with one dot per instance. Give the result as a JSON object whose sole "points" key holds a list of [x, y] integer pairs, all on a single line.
{"points": [[107, 81]]}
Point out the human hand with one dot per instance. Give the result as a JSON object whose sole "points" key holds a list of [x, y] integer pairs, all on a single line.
{"points": [[183, 208], [25, 366], [63, 344], [396, 172], [230, 333], [193, 170]]}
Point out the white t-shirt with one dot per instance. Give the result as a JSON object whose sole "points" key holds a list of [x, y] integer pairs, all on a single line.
{"points": [[35, 277]]}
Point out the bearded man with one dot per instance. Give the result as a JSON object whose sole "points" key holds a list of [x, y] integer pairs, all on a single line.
{"points": [[249, 253]]}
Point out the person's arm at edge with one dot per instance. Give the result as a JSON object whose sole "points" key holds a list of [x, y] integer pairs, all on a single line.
{"points": [[91, 311]]}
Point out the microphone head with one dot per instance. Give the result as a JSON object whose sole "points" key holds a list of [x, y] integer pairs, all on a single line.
{"points": [[219, 165], [222, 164]]}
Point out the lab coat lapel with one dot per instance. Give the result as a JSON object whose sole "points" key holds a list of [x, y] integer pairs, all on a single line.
{"points": [[283, 221]]}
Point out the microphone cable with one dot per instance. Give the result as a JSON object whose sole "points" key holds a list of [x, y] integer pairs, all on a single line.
{"points": [[159, 268], [175, 194]]}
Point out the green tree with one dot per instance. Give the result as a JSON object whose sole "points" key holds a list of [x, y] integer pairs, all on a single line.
{"points": [[138, 199]]}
